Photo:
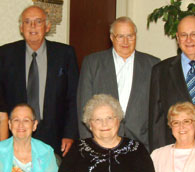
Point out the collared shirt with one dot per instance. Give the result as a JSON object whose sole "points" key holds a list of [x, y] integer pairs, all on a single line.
{"points": [[185, 64], [124, 75], [42, 68]]}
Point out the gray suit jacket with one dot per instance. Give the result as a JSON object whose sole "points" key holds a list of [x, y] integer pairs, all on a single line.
{"points": [[98, 76]]}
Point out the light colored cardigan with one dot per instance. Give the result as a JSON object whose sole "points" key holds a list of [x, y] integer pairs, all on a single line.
{"points": [[43, 158], [163, 160]]}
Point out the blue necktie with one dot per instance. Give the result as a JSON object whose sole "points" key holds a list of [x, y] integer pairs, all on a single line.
{"points": [[33, 86], [190, 80]]}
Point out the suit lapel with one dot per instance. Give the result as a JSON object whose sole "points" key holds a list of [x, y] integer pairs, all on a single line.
{"points": [[110, 74], [138, 72], [20, 71], [178, 79], [50, 79]]}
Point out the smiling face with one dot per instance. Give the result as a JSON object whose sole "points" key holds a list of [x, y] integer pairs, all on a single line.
{"points": [[184, 133], [125, 47], [187, 27], [34, 27], [104, 124], [22, 123]]}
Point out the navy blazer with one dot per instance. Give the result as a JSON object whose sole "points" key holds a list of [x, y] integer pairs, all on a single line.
{"points": [[59, 111]]}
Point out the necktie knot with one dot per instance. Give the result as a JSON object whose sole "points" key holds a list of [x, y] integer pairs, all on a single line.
{"points": [[34, 55], [192, 63]]}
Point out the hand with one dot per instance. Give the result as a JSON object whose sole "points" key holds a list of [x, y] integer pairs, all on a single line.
{"points": [[66, 144]]}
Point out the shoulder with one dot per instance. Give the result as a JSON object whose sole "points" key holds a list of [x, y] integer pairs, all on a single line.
{"points": [[58, 45], [166, 63], [100, 55], [40, 147], [5, 144], [13, 45], [162, 150], [147, 58]]}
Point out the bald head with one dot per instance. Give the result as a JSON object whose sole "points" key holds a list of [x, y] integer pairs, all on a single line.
{"points": [[186, 36], [186, 20]]}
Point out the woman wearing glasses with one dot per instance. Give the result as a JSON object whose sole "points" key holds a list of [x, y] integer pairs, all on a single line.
{"points": [[106, 151], [22, 153], [178, 157]]}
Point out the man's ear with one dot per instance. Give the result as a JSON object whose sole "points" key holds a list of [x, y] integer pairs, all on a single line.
{"points": [[111, 37], [177, 37], [48, 27], [21, 29]]}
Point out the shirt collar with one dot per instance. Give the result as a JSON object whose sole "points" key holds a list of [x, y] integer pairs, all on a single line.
{"points": [[119, 58], [185, 60], [41, 50]]}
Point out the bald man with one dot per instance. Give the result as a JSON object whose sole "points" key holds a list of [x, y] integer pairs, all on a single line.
{"points": [[169, 84], [52, 69]]}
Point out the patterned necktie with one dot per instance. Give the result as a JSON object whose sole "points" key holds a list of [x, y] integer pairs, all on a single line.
{"points": [[190, 80], [33, 86]]}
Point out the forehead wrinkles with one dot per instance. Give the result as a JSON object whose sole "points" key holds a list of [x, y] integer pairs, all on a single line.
{"points": [[121, 28], [33, 13], [187, 25]]}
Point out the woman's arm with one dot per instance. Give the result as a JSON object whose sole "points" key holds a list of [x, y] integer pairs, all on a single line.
{"points": [[3, 126]]}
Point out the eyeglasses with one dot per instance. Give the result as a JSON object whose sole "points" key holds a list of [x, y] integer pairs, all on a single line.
{"points": [[25, 121], [184, 36], [185, 123], [37, 22], [109, 119], [120, 38]]}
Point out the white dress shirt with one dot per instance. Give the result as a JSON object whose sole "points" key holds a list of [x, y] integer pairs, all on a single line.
{"points": [[124, 75]]}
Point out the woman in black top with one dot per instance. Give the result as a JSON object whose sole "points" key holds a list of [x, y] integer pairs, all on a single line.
{"points": [[106, 151]]}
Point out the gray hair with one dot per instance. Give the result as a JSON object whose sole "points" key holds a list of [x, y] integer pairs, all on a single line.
{"points": [[23, 105], [98, 101], [33, 6], [176, 109], [123, 19]]}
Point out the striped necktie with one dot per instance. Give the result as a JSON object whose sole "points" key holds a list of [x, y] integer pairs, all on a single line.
{"points": [[190, 80]]}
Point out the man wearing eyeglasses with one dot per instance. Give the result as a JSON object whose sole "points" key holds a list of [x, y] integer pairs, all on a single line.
{"points": [[43, 74], [173, 80], [122, 72]]}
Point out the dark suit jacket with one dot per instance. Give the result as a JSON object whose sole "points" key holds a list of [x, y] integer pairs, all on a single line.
{"points": [[59, 112], [168, 87], [98, 76]]}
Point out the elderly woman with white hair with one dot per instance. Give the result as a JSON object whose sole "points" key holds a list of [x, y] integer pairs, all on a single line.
{"points": [[106, 151], [180, 156]]}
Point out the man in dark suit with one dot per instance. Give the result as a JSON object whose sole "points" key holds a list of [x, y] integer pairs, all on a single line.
{"points": [[123, 73], [169, 84], [57, 79]]}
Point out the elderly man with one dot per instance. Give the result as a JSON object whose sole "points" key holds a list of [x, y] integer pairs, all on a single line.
{"points": [[43, 74], [123, 73], [173, 80]]}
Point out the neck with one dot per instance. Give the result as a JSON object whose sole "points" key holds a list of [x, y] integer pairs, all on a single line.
{"points": [[108, 142], [184, 145], [22, 145]]}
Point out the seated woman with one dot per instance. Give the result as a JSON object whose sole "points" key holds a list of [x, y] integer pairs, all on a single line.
{"points": [[21, 153], [106, 151], [178, 157]]}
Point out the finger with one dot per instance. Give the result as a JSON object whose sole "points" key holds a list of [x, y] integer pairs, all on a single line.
{"points": [[68, 145]]}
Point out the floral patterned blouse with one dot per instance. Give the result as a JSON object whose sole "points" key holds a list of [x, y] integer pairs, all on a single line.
{"points": [[20, 167]]}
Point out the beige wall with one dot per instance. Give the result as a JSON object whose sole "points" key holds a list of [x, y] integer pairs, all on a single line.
{"points": [[9, 29]]}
